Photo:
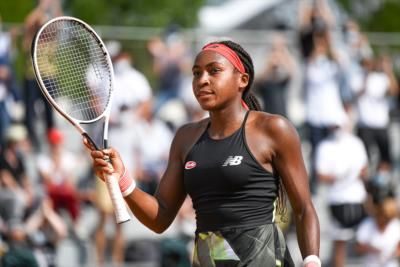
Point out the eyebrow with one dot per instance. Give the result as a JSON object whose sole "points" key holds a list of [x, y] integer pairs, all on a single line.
{"points": [[207, 65]]}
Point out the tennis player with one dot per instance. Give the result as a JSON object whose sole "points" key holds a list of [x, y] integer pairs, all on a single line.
{"points": [[234, 165]]}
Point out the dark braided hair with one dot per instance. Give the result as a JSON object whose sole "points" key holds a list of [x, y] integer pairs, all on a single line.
{"points": [[248, 97], [253, 104]]}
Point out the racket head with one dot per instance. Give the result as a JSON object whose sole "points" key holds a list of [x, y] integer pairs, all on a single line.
{"points": [[74, 70]]}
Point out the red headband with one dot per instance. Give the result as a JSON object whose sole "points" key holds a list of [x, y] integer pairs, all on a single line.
{"points": [[228, 53]]}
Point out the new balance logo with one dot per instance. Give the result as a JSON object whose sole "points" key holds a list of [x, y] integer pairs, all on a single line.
{"points": [[232, 161]]}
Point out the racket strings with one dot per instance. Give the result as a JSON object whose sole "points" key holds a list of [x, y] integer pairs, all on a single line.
{"points": [[74, 69]]}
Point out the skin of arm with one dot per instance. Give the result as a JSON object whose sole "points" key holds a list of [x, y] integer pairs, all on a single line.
{"points": [[388, 69], [325, 178], [326, 13], [362, 248], [289, 163], [304, 14], [157, 212], [398, 250], [282, 152]]}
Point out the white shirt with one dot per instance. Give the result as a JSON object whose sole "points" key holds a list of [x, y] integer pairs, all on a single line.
{"points": [[59, 173], [5, 46], [343, 156], [149, 141], [373, 105], [152, 143], [323, 101], [130, 87], [386, 241]]}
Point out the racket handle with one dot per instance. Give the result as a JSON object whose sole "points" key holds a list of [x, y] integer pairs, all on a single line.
{"points": [[120, 209]]}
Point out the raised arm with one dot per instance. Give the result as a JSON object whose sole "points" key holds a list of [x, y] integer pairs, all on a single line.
{"points": [[387, 67], [289, 164], [156, 212]]}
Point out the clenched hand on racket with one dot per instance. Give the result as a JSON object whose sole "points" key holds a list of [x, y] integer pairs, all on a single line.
{"points": [[102, 159]]}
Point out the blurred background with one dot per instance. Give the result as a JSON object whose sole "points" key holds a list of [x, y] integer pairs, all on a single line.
{"points": [[330, 66]]}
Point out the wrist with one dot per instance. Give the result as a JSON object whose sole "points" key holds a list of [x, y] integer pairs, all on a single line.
{"points": [[312, 261], [126, 184]]}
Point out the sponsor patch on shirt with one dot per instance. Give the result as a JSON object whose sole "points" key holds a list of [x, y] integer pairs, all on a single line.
{"points": [[190, 165]]}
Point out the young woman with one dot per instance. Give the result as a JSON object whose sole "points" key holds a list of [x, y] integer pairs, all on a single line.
{"points": [[232, 164]]}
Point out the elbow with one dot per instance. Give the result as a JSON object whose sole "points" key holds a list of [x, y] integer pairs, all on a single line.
{"points": [[159, 226], [159, 229], [306, 211]]}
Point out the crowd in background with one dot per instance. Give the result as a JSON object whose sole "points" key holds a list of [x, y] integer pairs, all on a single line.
{"points": [[349, 94]]}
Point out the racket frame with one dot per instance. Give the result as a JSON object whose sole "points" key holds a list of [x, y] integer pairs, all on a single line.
{"points": [[121, 215], [76, 122]]}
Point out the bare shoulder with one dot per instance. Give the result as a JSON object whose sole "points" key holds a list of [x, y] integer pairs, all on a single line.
{"points": [[271, 123], [277, 128], [192, 128], [187, 135]]}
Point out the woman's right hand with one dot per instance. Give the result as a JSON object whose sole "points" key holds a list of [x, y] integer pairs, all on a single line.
{"points": [[106, 161]]}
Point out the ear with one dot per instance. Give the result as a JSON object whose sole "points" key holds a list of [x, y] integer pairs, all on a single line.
{"points": [[243, 81]]}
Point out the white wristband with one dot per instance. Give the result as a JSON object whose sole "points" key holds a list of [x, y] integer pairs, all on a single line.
{"points": [[312, 258]]}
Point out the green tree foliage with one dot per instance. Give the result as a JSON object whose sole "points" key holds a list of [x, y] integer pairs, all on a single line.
{"points": [[151, 13], [146, 13], [15, 11], [385, 19], [373, 17], [155, 13]]}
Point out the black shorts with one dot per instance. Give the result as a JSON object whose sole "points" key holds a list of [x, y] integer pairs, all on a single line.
{"points": [[238, 247], [348, 215], [380, 138]]}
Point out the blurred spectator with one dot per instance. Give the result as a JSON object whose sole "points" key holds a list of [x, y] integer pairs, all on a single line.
{"points": [[341, 162], [186, 218], [152, 143], [178, 250], [45, 10], [273, 83], [106, 211], [20, 201], [373, 107], [131, 91], [56, 169], [16, 194], [131, 87], [315, 18], [356, 42], [19, 253], [356, 49], [322, 80], [378, 237], [170, 61], [45, 228], [8, 91]]}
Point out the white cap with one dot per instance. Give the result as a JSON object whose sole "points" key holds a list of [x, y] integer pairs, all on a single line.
{"points": [[16, 133], [113, 47]]}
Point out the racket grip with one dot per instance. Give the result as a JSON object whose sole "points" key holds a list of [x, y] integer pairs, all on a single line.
{"points": [[120, 209]]}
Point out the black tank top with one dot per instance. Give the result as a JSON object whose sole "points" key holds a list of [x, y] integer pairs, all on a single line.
{"points": [[228, 187]]}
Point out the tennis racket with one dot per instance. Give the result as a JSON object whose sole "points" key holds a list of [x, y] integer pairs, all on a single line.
{"points": [[75, 74]]}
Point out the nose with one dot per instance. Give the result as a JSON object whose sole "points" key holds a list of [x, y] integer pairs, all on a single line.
{"points": [[201, 79]]}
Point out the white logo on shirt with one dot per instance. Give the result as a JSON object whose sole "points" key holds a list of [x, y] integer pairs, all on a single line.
{"points": [[233, 161]]}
